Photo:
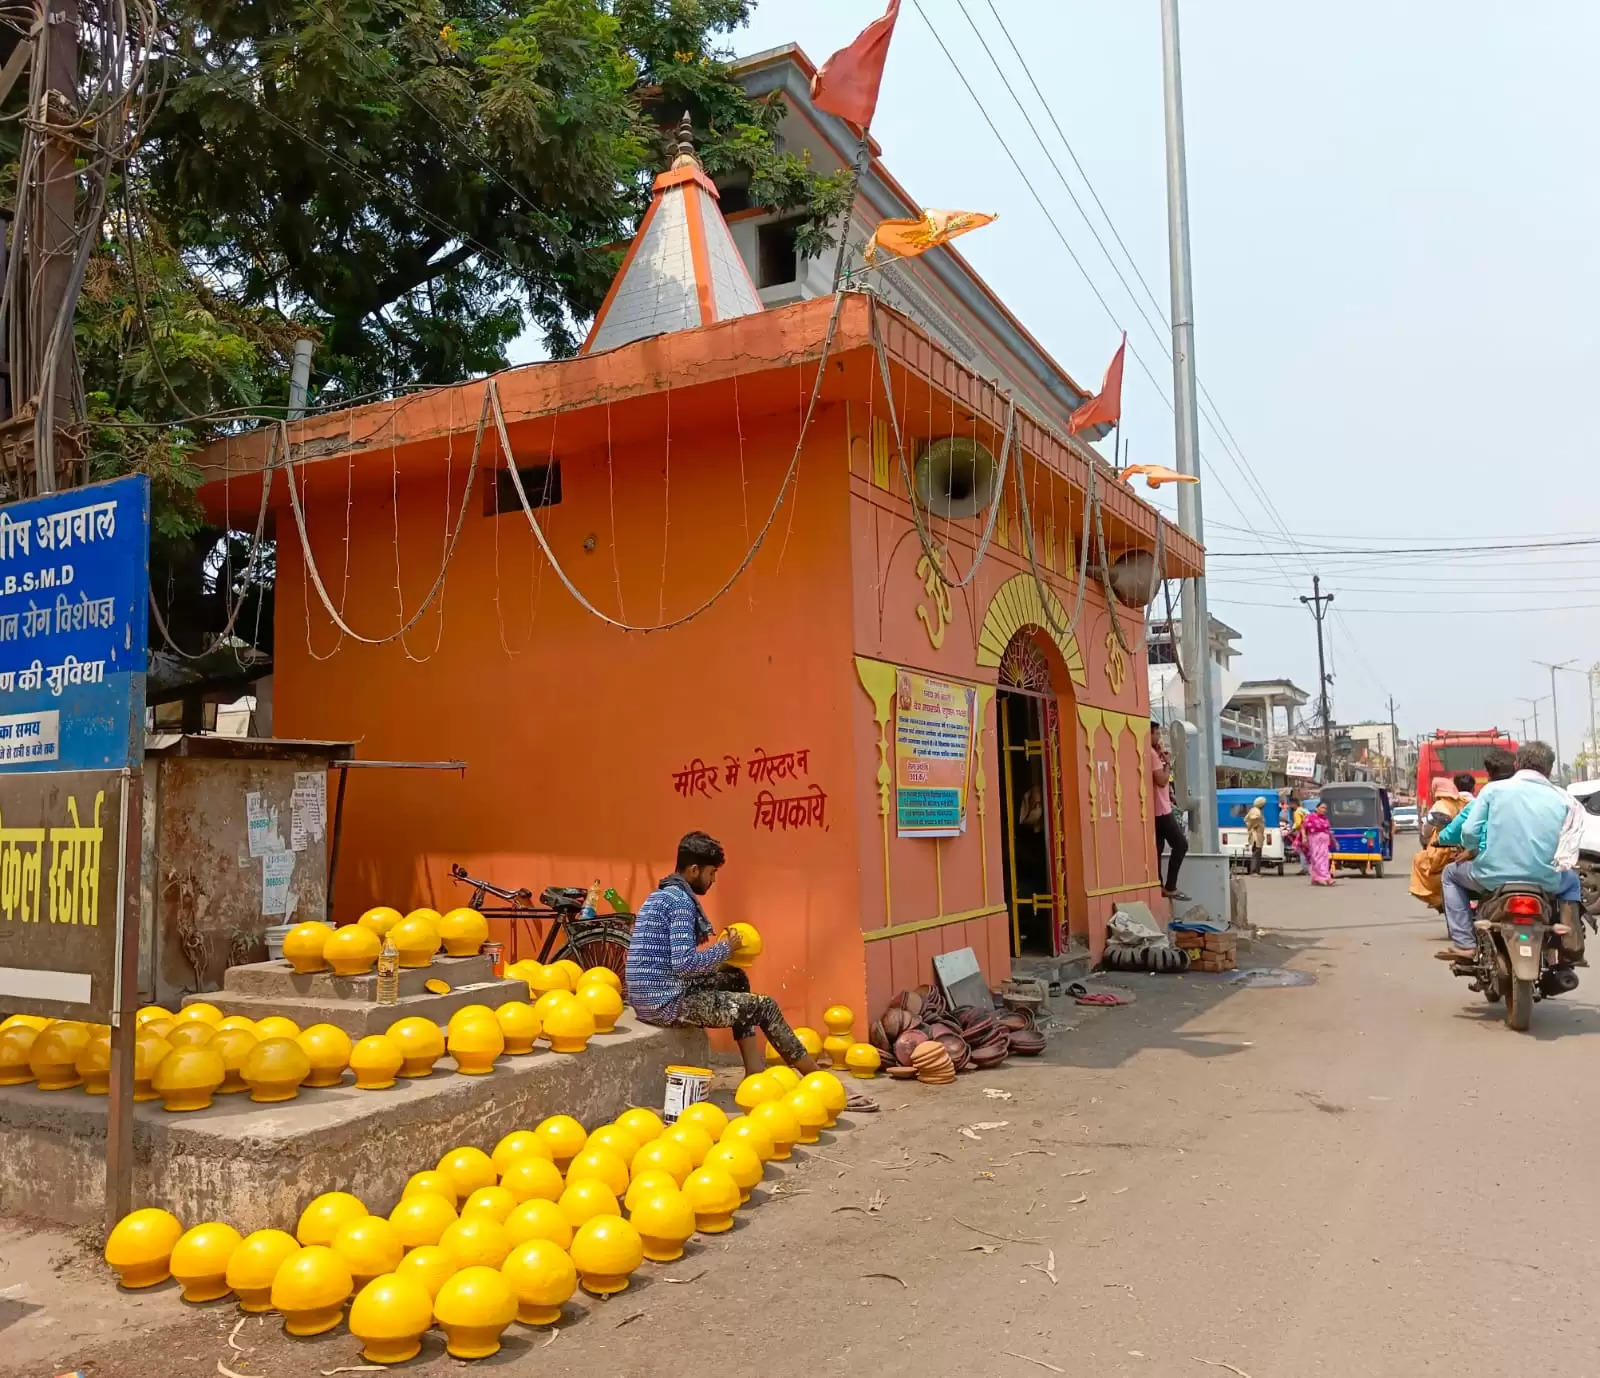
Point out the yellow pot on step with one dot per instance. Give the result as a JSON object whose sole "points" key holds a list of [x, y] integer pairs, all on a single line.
{"points": [[376, 1060], [140, 1247], [274, 1070]]}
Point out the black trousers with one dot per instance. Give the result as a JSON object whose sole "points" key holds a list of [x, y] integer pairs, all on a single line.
{"points": [[1169, 833]]}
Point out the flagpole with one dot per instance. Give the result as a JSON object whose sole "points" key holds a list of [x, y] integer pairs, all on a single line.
{"points": [[857, 168], [1199, 705]]}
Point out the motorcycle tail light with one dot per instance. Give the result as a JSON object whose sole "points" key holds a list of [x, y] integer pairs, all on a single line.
{"points": [[1524, 904]]}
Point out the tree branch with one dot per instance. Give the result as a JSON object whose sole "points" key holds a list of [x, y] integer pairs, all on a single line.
{"points": [[397, 285]]}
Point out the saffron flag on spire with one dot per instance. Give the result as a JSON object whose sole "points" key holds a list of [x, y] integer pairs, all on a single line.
{"points": [[908, 238], [847, 84], [1105, 407]]}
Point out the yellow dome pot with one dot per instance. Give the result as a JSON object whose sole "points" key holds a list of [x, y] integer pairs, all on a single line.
{"points": [[200, 1260], [537, 1218], [325, 1215], [786, 1077], [303, 947], [430, 1266], [519, 1143], [663, 1155], [327, 1047], [352, 950], [194, 1034], [416, 939], [467, 1014], [161, 1028], [605, 1251], [811, 1113], [477, 1241], [781, 1123], [692, 1138], [839, 1019], [714, 1196], [651, 1179], [421, 1044], [569, 1026], [601, 1164], [603, 1003], [311, 1289], [94, 1066], [615, 1139], [756, 1089], [706, 1115], [145, 1015], [16, 1046], [519, 1026], [495, 1202], [274, 1069], [475, 1044], [810, 1039], [238, 1021], [585, 1199], [740, 1162], [533, 1178], [569, 971], [750, 945], [149, 1050], [253, 1265], [376, 1060], [370, 1246], [469, 1168], [604, 975], [431, 1183], [743, 1129], [863, 1060], [389, 1316], [835, 1046], [827, 1088], [542, 1278], [643, 1124], [563, 1136], [203, 1010], [233, 1046], [188, 1077], [54, 1055], [277, 1026], [463, 932], [473, 1308], [664, 1220], [140, 1247], [380, 919], [421, 1218], [427, 915]]}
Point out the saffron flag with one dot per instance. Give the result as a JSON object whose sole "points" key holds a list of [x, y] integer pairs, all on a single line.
{"points": [[847, 84], [1105, 407], [1155, 475], [908, 238]]}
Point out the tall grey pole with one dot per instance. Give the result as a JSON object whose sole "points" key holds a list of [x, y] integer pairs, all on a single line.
{"points": [[1198, 705], [1555, 711], [299, 379], [1594, 741], [1534, 704]]}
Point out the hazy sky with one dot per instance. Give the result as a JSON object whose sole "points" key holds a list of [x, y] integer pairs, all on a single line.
{"points": [[1395, 219]]}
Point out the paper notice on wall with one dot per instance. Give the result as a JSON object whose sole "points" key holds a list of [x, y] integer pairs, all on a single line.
{"points": [[309, 811], [276, 870], [261, 825]]}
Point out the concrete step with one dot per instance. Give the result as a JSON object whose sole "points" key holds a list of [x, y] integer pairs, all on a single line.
{"points": [[358, 1018], [281, 979]]}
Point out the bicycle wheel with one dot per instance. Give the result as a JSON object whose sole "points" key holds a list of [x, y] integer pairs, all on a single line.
{"points": [[598, 942]]}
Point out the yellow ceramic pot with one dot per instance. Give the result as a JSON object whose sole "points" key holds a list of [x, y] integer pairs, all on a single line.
{"points": [[203, 1010], [380, 920], [324, 1216], [430, 1266], [254, 1264], [496, 1202], [835, 1046], [537, 1218], [757, 1089], [664, 1220], [613, 1137], [714, 1197], [431, 1183], [303, 947], [839, 1019], [370, 1246], [708, 1116], [519, 1026], [663, 1155], [311, 1289], [376, 1060], [427, 915], [463, 932], [749, 946], [473, 1308], [389, 1316], [233, 1046], [542, 1277], [145, 1015], [352, 950], [563, 1136], [238, 1021], [161, 1028], [569, 971], [829, 1090], [468, 1168], [94, 1066], [195, 1033], [519, 1143], [603, 1003], [863, 1060], [148, 1052], [475, 1044], [604, 975], [601, 1164], [585, 1199], [643, 1183], [741, 1162], [140, 1247], [466, 1015], [743, 1129], [327, 1047], [54, 1055], [643, 1124], [569, 1026], [274, 1069], [200, 1260], [605, 1251], [810, 1039], [692, 1139], [188, 1077], [277, 1026], [786, 1077], [16, 1046], [533, 1178], [477, 1241], [810, 1112], [551, 1000], [416, 939], [780, 1122], [421, 1218], [421, 1044]]}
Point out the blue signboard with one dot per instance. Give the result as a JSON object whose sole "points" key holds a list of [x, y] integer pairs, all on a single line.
{"points": [[74, 628]]}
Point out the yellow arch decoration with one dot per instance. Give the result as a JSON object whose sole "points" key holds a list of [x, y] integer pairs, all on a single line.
{"points": [[1019, 603]]}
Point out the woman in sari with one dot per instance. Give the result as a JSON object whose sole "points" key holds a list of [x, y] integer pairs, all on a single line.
{"points": [[1449, 798], [1316, 843]]}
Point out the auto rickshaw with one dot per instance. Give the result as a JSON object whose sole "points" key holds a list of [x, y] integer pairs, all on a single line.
{"points": [[1363, 825], [1232, 805]]}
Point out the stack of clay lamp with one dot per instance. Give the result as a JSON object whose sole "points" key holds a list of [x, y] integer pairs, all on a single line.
{"points": [[185, 1058], [485, 1239], [968, 1038]]}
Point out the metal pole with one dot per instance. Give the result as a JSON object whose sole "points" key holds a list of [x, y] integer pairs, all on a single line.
{"points": [[1198, 705], [299, 379], [1394, 747], [1555, 710], [1594, 741], [1534, 704], [125, 1000], [1318, 603], [856, 169]]}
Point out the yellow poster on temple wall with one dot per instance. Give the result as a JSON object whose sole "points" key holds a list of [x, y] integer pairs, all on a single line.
{"points": [[933, 724]]}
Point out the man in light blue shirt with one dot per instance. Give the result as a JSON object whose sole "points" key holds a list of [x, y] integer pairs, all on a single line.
{"points": [[1516, 828]]}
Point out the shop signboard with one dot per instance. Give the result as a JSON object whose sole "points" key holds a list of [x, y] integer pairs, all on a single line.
{"points": [[933, 725], [1301, 765]]}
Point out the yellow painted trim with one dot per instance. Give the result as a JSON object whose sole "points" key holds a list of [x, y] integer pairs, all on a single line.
{"points": [[1125, 888], [1141, 738], [980, 780], [1016, 604], [876, 935], [878, 679]]}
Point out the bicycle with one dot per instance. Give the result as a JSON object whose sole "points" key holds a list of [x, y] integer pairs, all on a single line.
{"points": [[600, 941]]}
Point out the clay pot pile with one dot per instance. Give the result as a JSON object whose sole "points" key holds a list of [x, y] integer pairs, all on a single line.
{"points": [[966, 1036], [933, 1065]]}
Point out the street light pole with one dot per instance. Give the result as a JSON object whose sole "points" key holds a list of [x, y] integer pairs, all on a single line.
{"points": [[1534, 704], [1555, 710], [1198, 705], [1318, 603]]}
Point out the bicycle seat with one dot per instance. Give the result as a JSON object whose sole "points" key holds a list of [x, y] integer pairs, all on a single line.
{"points": [[563, 898]]}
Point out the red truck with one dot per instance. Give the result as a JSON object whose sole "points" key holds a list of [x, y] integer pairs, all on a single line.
{"points": [[1450, 753]]}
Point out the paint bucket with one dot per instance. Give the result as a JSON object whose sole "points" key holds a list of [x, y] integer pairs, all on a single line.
{"points": [[276, 932], [685, 1085], [496, 953]]}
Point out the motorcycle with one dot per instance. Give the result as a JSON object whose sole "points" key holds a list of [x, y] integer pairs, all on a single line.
{"points": [[1517, 956]]}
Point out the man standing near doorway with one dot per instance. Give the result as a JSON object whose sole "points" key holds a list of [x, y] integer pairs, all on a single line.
{"points": [[1168, 831]]}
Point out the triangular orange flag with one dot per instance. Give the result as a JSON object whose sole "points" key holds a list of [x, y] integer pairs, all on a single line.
{"points": [[908, 238], [1105, 408], [1155, 475], [847, 84]]}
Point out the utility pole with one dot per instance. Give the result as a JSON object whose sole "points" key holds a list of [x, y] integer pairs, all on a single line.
{"points": [[1555, 711], [1318, 603], [1394, 747], [1198, 706], [1534, 704], [1594, 741]]}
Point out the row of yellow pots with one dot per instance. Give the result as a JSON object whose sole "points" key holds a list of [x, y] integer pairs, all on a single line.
{"points": [[353, 949]]}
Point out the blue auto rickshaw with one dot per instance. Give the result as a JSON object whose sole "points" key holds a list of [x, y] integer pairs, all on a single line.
{"points": [[1232, 805], [1363, 825]]}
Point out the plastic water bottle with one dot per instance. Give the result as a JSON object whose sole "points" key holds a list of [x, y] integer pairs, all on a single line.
{"points": [[590, 900], [615, 900], [388, 972]]}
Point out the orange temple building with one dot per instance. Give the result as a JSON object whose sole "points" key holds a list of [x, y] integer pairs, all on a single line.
{"points": [[910, 726]]}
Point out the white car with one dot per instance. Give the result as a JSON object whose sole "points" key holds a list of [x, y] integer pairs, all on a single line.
{"points": [[1405, 818], [1587, 793]]}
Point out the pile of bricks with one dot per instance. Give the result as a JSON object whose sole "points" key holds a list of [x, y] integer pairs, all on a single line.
{"points": [[1209, 951]]}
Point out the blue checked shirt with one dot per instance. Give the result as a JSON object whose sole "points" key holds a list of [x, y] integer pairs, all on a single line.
{"points": [[665, 950]]}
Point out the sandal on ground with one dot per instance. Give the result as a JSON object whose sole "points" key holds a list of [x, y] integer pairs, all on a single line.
{"points": [[858, 1104]]}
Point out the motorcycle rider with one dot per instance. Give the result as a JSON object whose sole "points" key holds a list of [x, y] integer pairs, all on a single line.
{"points": [[1524, 831]]}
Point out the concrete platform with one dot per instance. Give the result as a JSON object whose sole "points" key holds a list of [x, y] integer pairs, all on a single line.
{"points": [[255, 1166]]}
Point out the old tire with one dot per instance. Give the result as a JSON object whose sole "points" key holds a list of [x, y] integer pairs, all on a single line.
{"points": [[1519, 1005], [1378, 870]]}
